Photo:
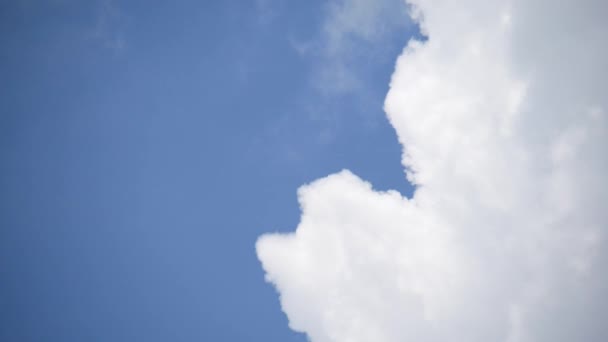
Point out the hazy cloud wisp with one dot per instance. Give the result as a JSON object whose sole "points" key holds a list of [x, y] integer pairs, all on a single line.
{"points": [[351, 33]]}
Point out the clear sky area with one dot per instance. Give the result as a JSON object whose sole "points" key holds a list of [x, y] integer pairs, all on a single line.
{"points": [[146, 146]]}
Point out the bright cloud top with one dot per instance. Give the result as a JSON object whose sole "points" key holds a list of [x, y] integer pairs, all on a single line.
{"points": [[502, 114]]}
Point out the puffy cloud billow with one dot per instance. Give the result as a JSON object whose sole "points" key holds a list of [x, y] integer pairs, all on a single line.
{"points": [[503, 118]]}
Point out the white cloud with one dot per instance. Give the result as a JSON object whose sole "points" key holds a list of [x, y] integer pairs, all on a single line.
{"points": [[503, 117]]}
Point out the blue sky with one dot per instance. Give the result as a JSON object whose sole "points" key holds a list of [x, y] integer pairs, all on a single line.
{"points": [[145, 147]]}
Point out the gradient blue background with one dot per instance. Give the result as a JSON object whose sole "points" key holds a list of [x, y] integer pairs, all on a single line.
{"points": [[145, 146]]}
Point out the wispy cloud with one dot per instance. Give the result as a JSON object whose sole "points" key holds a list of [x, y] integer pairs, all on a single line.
{"points": [[352, 35], [107, 29], [352, 41], [268, 10]]}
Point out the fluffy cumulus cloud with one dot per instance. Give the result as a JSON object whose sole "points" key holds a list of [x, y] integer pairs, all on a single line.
{"points": [[503, 118]]}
